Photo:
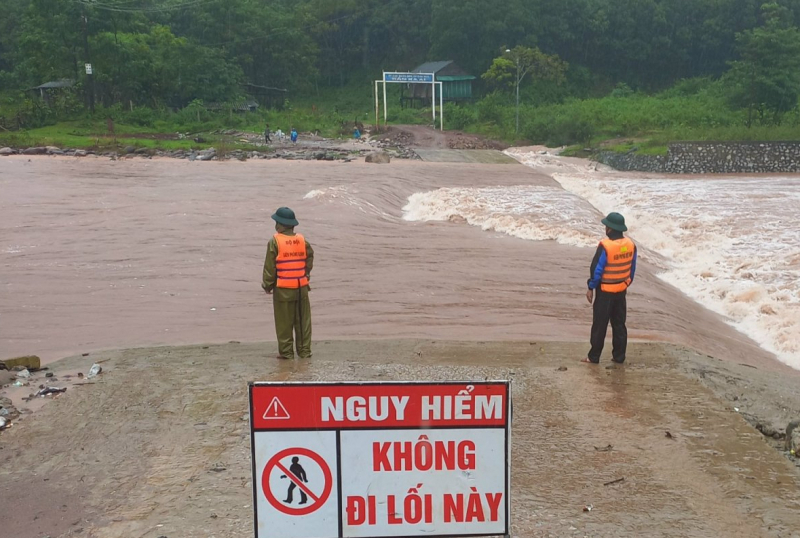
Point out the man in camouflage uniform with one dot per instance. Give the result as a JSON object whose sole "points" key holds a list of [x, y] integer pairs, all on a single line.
{"points": [[287, 268]]}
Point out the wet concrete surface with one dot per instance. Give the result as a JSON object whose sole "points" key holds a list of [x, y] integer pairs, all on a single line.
{"points": [[483, 156], [134, 450]]}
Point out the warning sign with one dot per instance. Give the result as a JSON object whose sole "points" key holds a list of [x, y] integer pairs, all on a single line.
{"points": [[381, 459], [296, 478]]}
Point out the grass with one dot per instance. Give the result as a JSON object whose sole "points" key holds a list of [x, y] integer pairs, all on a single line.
{"points": [[72, 135], [649, 123]]}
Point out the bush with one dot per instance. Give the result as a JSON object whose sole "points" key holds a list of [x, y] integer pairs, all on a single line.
{"points": [[457, 117], [142, 117], [571, 130], [492, 108], [621, 91]]}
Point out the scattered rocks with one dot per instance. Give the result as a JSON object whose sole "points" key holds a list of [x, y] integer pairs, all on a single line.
{"points": [[769, 431], [7, 410], [207, 155], [793, 438], [383, 150], [378, 157], [28, 361]]}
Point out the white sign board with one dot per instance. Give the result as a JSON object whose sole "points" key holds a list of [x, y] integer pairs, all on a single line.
{"points": [[88, 69], [335, 460]]}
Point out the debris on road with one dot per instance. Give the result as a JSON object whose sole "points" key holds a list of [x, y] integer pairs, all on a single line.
{"points": [[612, 482], [94, 371], [28, 361], [51, 390]]}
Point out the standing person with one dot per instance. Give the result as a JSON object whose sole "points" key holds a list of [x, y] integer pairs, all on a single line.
{"points": [[611, 273], [294, 136], [267, 139], [356, 133], [287, 269]]}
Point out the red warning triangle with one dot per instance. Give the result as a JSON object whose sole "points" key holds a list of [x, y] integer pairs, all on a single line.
{"points": [[276, 410]]}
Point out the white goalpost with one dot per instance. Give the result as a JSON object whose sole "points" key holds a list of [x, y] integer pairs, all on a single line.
{"points": [[390, 77]]}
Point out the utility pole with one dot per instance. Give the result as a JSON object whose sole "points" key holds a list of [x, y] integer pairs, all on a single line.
{"points": [[516, 129], [88, 61], [516, 87]]}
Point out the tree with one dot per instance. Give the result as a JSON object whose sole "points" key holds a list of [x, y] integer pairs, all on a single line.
{"points": [[517, 63], [766, 80]]}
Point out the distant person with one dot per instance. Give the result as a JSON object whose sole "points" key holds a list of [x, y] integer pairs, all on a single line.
{"points": [[267, 138], [611, 273], [287, 269], [279, 135], [294, 136], [356, 134]]}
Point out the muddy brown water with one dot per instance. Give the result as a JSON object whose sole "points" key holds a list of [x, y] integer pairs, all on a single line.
{"points": [[100, 254]]}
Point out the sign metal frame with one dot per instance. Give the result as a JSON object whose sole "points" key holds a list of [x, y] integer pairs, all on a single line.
{"points": [[282, 426], [398, 77]]}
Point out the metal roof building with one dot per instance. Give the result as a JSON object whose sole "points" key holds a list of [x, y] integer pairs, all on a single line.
{"points": [[456, 83]]}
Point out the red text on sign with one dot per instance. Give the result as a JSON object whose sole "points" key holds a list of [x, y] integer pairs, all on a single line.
{"points": [[423, 455], [461, 508], [462, 407], [417, 508]]}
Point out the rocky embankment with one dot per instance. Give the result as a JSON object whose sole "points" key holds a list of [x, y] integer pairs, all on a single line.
{"points": [[304, 150], [711, 158]]}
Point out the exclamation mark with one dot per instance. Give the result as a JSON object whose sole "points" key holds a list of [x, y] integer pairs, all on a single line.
{"points": [[275, 404]]}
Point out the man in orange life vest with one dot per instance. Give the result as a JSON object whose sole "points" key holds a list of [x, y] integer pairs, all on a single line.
{"points": [[612, 271], [287, 268]]}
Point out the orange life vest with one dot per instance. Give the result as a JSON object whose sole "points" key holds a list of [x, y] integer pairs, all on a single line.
{"points": [[619, 259], [291, 261]]}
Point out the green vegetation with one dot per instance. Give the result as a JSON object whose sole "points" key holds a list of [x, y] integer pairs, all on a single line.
{"points": [[560, 72]]}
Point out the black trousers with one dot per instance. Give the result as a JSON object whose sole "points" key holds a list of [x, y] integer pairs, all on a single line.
{"points": [[609, 307]]}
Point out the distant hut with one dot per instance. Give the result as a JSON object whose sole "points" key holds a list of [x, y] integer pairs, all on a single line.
{"points": [[456, 84], [49, 90], [268, 96], [243, 106]]}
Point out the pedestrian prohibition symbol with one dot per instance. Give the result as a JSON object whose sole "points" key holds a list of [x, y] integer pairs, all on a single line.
{"points": [[289, 464]]}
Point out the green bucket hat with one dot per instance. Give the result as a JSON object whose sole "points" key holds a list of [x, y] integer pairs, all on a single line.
{"points": [[615, 221], [285, 216]]}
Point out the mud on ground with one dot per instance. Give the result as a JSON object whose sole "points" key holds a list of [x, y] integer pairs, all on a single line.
{"points": [[158, 446], [418, 136]]}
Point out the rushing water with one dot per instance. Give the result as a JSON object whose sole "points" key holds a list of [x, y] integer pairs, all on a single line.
{"points": [[731, 243]]}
